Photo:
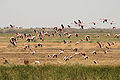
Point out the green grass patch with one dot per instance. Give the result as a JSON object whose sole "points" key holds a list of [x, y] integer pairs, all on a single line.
{"points": [[62, 72]]}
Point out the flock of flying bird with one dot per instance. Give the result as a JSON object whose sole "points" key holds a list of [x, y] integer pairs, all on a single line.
{"points": [[60, 32], [81, 24]]}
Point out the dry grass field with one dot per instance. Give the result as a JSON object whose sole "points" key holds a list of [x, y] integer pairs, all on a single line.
{"points": [[107, 65], [53, 45]]}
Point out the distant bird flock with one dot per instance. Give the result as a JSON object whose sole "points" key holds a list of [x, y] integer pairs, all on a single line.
{"points": [[60, 31]]}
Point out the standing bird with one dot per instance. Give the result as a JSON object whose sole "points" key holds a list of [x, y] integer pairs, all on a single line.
{"points": [[87, 37], [49, 56], [61, 52], [113, 43], [75, 49], [13, 41], [33, 52], [95, 62], [37, 62], [38, 45], [26, 62], [105, 51], [76, 35], [6, 61], [28, 39], [94, 52], [60, 35], [71, 57], [84, 54], [26, 46], [108, 34], [99, 44], [76, 54], [64, 41], [109, 44], [66, 58], [85, 57], [69, 36], [76, 43], [53, 34], [107, 47], [54, 55]]}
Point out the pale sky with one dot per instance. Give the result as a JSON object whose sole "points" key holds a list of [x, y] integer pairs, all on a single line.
{"points": [[37, 13]]}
